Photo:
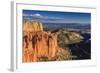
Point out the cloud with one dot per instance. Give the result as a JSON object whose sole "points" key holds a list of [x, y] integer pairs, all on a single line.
{"points": [[37, 15], [33, 15], [44, 18], [25, 15]]}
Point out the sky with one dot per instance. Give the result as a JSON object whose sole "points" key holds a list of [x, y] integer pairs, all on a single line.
{"points": [[57, 17]]}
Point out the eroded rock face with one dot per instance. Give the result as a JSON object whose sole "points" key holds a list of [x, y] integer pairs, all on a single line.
{"points": [[32, 26], [38, 43]]}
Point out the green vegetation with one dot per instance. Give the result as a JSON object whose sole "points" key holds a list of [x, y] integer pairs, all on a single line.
{"points": [[43, 58], [66, 37]]}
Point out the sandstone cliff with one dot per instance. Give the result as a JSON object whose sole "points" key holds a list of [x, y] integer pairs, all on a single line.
{"points": [[32, 26], [39, 44]]}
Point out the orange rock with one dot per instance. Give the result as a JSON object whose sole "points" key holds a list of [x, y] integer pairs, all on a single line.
{"points": [[38, 43], [52, 45]]}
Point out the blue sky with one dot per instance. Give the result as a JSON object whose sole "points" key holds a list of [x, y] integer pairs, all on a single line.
{"points": [[57, 17]]}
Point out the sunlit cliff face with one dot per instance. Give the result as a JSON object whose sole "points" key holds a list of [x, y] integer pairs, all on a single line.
{"points": [[38, 43]]}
